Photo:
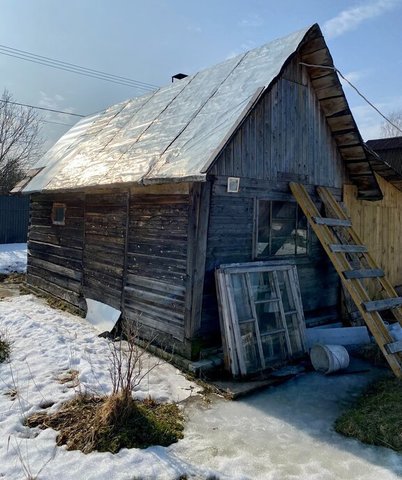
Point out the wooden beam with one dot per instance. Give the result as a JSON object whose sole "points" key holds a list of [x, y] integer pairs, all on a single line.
{"points": [[332, 222], [364, 273], [338, 248], [380, 305]]}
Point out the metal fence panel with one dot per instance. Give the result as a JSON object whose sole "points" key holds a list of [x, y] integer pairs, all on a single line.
{"points": [[14, 219]]}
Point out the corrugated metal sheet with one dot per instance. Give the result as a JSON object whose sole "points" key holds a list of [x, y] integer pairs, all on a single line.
{"points": [[168, 135], [14, 218]]}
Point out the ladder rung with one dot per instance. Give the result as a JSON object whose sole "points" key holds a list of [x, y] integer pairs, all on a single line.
{"points": [[364, 273], [332, 222], [394, 347], [339, 248], [386, 304]]}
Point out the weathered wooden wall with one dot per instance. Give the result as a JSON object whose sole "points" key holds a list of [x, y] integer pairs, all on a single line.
{"points": [[379, 224], [285, 138], [156, 280], [104, 246], [124, 248], [55, 251]]}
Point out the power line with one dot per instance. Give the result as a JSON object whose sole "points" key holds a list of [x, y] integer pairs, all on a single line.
{"points": [[74, 68], [356, 89], [42, 108], [57, 123]]}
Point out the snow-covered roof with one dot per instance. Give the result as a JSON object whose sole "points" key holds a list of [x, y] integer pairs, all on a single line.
{"points": [[172, 134]]}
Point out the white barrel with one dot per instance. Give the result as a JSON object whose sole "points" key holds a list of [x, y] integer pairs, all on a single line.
{"points": [[329, 358]]}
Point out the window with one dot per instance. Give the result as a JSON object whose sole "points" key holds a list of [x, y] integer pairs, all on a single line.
{"points": [[59, 213], [281, 229]]}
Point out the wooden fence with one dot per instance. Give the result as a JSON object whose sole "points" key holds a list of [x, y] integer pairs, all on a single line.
{"points": [[14, 219]]}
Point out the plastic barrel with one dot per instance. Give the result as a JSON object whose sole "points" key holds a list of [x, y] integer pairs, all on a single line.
{"points": [[329, 358]]}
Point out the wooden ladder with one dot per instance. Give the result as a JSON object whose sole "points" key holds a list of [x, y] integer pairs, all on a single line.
{"points": [[346, 252]]}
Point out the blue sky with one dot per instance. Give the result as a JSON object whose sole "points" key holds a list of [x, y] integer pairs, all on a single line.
{"points": [[154, 39]]}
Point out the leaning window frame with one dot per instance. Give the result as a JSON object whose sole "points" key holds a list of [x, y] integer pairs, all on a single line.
{"points": [[55, 207], [255, 231]]}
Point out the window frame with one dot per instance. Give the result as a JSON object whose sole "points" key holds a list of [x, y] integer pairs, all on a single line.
{"points": [[256, 228], [56, 206]]}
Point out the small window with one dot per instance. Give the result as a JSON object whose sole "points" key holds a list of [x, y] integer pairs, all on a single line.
{"points": [[281, 229], [59, 214]]}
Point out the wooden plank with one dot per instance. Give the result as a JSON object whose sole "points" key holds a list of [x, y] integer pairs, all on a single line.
{"points": [[364, 273], [196, 266], [338, 248], [332, 222], [395, 347], [380, 305]]}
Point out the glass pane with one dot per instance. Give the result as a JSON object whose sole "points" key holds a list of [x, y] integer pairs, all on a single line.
{"points": [[284, 288], [294, 334], [264, 295], [264, 225], [241, 297], [262, 286], [273, 347], [250, 347], [283, 228]]}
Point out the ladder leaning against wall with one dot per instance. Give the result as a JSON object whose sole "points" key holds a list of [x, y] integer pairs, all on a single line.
{"points": [[356, 267]]}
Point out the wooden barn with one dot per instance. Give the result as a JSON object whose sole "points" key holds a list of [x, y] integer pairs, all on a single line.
{"points": [[136, 206]]}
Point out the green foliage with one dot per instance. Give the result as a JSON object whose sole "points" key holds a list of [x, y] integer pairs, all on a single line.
{"points": [[376, 417]]}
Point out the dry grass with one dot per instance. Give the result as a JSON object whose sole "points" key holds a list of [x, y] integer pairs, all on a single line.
{"points": [[5, 347], [376, 417], [107, 424], [13, 278]]}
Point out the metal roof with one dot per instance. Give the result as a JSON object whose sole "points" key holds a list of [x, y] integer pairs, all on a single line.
{"points": [[171, 134], [175, 133]]}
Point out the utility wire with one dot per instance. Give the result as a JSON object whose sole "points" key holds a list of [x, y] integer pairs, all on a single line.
{"points": [[74, 68], [56, 123], [42, 108], [355, 88]]}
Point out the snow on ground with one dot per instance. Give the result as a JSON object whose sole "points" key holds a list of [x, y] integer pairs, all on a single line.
{"points": [[282, 433], [13, 257]]}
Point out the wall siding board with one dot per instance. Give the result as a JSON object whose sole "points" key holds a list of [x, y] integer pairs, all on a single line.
{"points": [[379, 226]]}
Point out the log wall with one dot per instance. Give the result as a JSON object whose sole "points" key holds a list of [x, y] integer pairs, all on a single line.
{"points": [[124, 248], [55, 252]]}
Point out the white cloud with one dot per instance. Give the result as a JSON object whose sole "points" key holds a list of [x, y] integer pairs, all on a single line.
{"points": [[351, 18], [252, 20]]}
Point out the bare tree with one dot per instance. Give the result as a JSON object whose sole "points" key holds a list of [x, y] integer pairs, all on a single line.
{"points": [[19, 141], [388, 130]]}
